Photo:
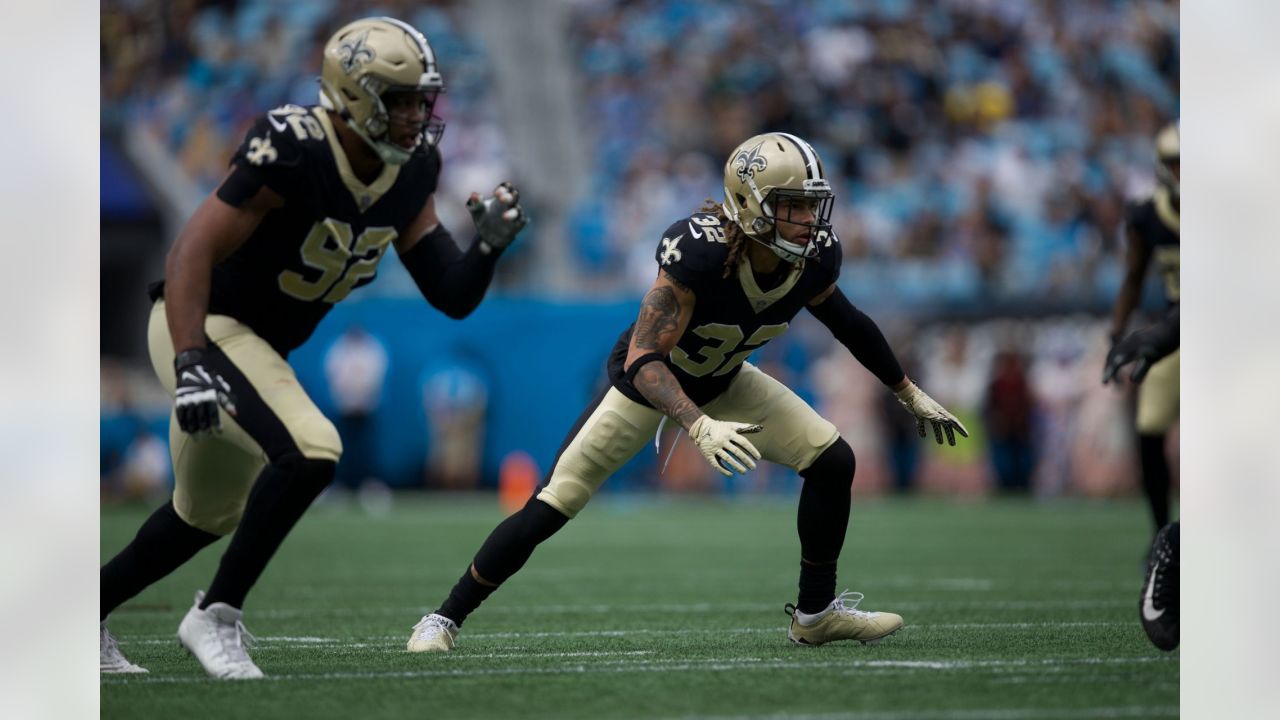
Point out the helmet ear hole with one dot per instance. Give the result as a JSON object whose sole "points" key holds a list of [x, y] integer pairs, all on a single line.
{"points": [[742, 200]]}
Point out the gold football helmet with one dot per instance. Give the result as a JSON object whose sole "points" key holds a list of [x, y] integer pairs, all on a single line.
{"points": [[367, 59], [1167, 142], [762, 171]]}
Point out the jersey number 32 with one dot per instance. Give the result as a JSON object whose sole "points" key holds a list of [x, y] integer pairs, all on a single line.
{"points": [[724, 339]]}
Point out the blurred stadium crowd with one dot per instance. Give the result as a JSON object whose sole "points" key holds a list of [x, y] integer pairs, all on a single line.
{"points": [[982, 152], [983, 149]]}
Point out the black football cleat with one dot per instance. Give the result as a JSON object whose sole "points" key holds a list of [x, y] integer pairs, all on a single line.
{"points": [[1158, 607]]}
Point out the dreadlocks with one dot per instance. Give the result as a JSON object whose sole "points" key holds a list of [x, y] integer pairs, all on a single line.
{"points": [[733, 235]]}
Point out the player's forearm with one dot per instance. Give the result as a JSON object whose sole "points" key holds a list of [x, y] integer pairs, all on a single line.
{"points": [[1126, 301], [860, 334], [655, 382], [453, 281], [465, 282], [1135, 269], [186, 294], [657, 330]]}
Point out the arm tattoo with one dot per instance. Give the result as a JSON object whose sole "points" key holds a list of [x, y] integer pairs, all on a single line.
{"points": [[659, 315], [658, 321], [661, 388]]}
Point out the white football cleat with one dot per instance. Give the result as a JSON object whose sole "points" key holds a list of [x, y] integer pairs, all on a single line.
{"points": [[841, 622], [111, 660], [433, 633], [217, 638]]}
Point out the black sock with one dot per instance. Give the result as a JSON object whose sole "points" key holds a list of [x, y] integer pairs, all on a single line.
{"points": [[817, 586], [503, 553], [1155, 477], [162, 545], [282, 493], [465, 597], [822, 519]]}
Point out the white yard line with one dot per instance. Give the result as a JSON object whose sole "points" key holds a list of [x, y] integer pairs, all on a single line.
{"points": [[667, 666], [972, 714], [702, 607], [286, 640]]}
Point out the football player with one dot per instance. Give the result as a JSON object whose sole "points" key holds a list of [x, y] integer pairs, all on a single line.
{"points": [[730, 278], [1152, 233], [314, 197], [1158, 605]]}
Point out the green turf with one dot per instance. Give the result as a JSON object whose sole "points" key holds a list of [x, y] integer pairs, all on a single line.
{"points": [[674, 610]]}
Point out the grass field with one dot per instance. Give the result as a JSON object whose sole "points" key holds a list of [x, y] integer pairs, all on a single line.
{"points": [[674, 610]]}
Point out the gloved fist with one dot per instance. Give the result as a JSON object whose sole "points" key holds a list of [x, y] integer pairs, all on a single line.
{"points": [[926, 409], [499, 218], [1118, 356], [723, 444], [200, 393]]}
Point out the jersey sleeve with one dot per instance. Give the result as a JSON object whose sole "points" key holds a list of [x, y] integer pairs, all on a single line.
{"points": [[270, 155], [685, 254]]}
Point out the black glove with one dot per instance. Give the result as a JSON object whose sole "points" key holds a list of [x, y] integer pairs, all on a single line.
{"points": [[498, 218], [199, 394], [1143, 348]]}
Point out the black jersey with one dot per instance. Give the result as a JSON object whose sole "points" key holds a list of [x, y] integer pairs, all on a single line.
{"points": [[1155, 223], [733, 317], [328, 237]]}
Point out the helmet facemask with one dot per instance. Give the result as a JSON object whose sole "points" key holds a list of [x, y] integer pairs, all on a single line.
{"points": [[820, 201]]}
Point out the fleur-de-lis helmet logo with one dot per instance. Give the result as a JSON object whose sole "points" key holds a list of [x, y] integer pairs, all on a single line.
{"points": [[354, 52], [749, 162]]}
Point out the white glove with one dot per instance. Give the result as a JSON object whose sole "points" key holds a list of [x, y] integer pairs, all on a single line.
{"points": [[723, 444], [497, 219], [926, 408]]}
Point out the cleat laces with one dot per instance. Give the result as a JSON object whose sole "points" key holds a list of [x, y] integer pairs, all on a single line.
{"points": [[430, 625], [851, 610], [234, 640], [839, 606]]}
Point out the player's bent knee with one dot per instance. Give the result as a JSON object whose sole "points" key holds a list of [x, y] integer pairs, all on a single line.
{"points": [[566, 494], [312, 472], [837, 462], [215, 521], [317, 438], [1155, 420], [817, 439]]}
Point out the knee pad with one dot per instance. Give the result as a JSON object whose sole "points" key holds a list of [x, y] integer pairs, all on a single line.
{"points": [[835, 464], [166, 521], [316, 437]]}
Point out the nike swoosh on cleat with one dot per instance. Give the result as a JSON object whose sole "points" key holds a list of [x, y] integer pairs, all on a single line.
{"points": [[1149, 611]]}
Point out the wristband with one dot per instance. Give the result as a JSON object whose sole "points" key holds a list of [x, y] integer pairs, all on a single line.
{"points": [[188, 357], [630, 375]]}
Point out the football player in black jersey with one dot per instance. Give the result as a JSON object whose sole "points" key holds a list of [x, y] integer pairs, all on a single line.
{"points": [[314, 197], [730, 279], [1152, 232], [1158, 606]]}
